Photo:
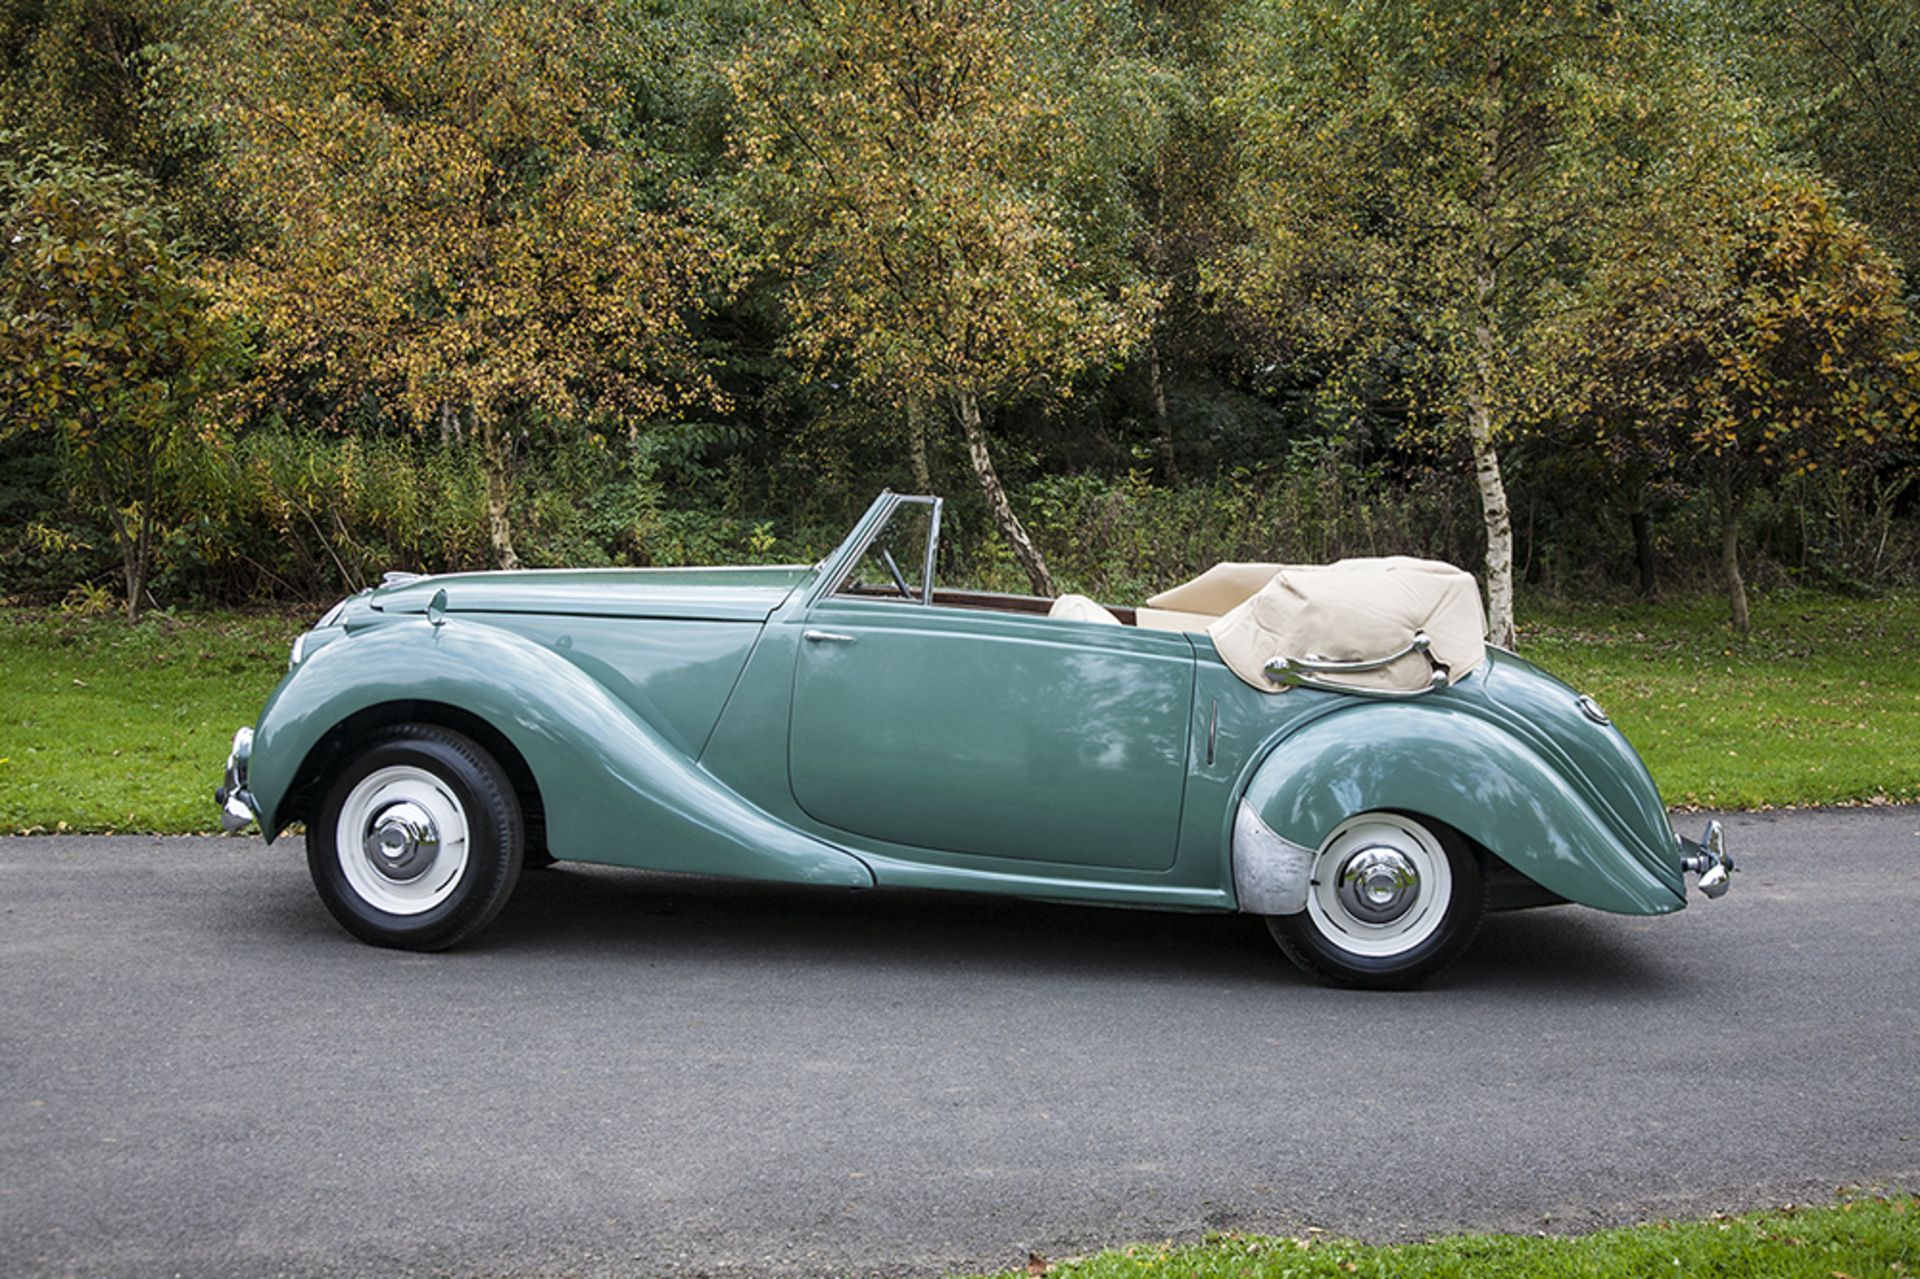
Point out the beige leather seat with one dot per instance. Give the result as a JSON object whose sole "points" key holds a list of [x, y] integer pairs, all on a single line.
{"points": [[1078, 608]]}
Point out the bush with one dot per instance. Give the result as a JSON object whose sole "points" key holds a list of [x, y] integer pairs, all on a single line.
{"points": [[283, 514], [1121, 541]]}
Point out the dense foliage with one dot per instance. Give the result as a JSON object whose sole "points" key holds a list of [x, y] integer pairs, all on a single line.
{"points": [[1583, 294], [106, 342]]}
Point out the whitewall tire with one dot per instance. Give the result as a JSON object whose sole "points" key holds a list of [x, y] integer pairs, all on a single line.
{"points": [[1391, 900], [419, 839]]}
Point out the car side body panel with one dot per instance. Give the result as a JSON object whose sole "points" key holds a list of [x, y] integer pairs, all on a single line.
{"points": [[675, 675], [615, 788], [612, 715], [748, 752], [1442, 758], [992, 734]]}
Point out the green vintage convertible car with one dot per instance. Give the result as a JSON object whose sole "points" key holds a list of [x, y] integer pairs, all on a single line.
{"points": [[1331, 747]]}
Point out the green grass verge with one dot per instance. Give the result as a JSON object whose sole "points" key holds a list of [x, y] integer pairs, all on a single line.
{"points": [[109, 727], [105, 726], [1867, 1238], [1820, 704]]}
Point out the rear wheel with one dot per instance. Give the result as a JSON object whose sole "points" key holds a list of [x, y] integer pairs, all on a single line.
{"points": [[419, 840], [1390, 902]]}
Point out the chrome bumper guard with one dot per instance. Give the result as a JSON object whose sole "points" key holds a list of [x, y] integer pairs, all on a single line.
{"points": [[235, 800], [1312, 671], [1708, 858]]}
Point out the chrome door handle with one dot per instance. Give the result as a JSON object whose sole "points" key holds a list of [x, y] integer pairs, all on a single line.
{"points": [[814, 637]]}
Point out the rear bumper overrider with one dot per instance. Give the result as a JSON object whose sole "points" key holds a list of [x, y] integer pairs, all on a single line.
{"points": [[1708, 858]]}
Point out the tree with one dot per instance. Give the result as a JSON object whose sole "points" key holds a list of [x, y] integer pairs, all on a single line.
{"points": [[1765, 336], [1420, 188], [105, 336], [1178, 194], [457, 213], [71, 71], [1843, 78], [944, 187]]}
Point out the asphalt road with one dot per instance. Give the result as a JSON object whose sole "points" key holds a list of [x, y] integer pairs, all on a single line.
{"points": [[635, 1074]]}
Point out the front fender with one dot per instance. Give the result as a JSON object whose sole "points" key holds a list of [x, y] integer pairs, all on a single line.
{"points": [[613, 788], [1448, 764]]}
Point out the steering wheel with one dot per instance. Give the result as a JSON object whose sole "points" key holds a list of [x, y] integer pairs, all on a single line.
{"points": [[899, 578]]}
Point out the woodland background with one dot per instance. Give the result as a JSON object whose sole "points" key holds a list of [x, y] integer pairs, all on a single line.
{"points": [[1594, 297]]}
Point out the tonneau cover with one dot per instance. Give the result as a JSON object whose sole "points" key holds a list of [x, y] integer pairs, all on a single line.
{"points": [[1356, 610]]}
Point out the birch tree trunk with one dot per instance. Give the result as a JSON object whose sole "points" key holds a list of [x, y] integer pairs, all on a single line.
{"points": [[966, 407], [1499, 522], [493, 445], [1480, 385]]}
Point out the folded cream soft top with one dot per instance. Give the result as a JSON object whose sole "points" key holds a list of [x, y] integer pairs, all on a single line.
{"points": [[1354, 610]]}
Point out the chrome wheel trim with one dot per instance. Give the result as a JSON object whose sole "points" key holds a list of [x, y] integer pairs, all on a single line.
{"points": [[401, 840], [1377, 913]]}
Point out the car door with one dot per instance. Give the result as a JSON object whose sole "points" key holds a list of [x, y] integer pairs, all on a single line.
{"points": [[989, 734]]}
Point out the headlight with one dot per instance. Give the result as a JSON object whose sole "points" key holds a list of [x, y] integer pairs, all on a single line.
{"points": [[304, 646], [322, 632]]}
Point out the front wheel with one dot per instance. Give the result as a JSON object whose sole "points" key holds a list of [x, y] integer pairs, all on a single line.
{"points": [[1390, 902], [419, 840]]}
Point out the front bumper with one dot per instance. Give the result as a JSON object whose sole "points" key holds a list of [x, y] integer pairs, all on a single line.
{"points": [[1708, 858], [237, 808]]}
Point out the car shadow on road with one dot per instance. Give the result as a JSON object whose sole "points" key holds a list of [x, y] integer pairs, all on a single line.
{"points": [[601, 911], [594, 911], [1570, 950]]}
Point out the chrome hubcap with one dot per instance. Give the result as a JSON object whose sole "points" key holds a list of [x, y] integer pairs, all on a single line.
{"points": [[1381, 885], [1378, 884], [402, 841]]}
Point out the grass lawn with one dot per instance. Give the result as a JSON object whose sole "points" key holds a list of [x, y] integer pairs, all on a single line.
{"points": [[109, 727], [1859, 1239], [1820, 704], [104, 726]]}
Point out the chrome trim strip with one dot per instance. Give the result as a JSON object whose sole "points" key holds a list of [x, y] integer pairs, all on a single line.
{"points": [[837, 563], [1270, 873], [933, 544], [841, 567]]}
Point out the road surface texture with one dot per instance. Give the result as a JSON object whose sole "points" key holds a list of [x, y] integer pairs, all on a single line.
{"points": [[636, 1074]]}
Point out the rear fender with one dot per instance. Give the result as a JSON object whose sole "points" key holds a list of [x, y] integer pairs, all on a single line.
{"points": [[1437, 762], [613, 788]]}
